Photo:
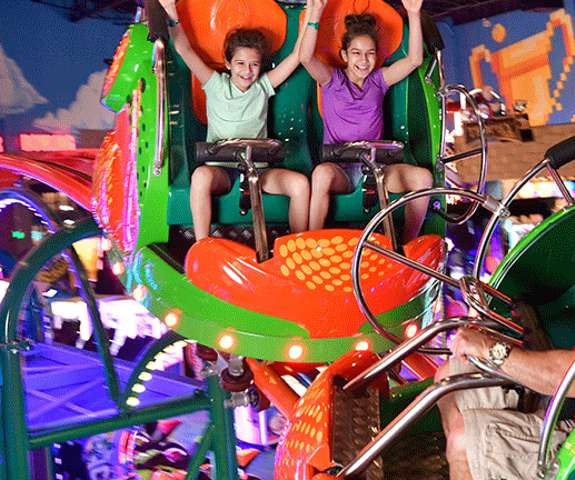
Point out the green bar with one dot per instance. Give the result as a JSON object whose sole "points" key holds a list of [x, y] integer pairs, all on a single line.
{"points": [[14, 415], [158, 411], [102, 340], [201, 451], [224, 444]]}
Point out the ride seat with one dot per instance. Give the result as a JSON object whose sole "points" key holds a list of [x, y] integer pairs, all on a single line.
{"points": [[407, 109], [206, 25]]}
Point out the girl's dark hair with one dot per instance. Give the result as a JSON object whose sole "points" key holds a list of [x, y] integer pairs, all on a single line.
{"points": [[358, 25], [247, 38]]}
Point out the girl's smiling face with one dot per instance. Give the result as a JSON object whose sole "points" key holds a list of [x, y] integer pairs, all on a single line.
{"points": [[360, 56], [245, 66]]}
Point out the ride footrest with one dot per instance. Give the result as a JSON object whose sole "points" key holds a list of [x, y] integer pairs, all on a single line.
{"points": [[417, 456], [355, 422]]}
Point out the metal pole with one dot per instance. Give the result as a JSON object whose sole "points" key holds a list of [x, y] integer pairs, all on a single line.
{"points": [[224, 438]]}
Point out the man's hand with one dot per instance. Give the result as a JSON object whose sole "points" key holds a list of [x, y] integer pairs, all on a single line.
{"points": [[412, 6], [470, 341]]}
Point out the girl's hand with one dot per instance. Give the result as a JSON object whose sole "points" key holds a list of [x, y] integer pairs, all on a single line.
{"points": [[317, 5], [170, 8], [412, 6]]}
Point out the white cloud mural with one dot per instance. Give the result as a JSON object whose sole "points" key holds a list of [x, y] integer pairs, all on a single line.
{"points": [[84, 112], [16, 93]]}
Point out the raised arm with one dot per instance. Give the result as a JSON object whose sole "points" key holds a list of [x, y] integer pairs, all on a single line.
{"points": [[287, 66], [397, 71], [183, 47], [319, 71]]}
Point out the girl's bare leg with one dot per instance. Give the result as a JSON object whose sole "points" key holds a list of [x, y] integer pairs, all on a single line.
{"points": [[406, 178], [206, 181], [326, 178], [280, 181]]}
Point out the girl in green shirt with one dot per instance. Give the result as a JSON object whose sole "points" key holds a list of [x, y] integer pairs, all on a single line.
{"points": [[237, 105]]}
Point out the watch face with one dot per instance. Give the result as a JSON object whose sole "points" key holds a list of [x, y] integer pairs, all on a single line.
{"points": [[499, 351]]}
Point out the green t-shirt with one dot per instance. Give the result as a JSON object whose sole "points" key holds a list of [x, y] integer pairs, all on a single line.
{"points": [[236, 114]]}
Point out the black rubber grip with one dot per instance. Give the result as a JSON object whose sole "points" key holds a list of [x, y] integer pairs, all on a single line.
{"points": [[157, 20], [562, 153], [431, 34], [340, 152], [210, 152]]}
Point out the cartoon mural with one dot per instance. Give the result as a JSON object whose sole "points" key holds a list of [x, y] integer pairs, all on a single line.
{"points": [[50, 79], [526, 56], [523, 69]]}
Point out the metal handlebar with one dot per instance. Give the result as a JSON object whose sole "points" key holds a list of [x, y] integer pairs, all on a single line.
{"points": [[487, 202], [421, 405], [443, 94], [545, 164], [159, 66], [551, 417]]}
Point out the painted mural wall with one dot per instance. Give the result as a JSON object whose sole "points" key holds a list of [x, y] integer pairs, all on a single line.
{"points": [[523, 56], [51, 71]]}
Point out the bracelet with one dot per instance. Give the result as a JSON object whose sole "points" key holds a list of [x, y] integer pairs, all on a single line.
{"points": [[314, 25], [172, 23]]}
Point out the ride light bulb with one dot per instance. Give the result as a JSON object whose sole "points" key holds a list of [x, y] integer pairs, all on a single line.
{"points": [[118, 268], [172, 319], [362, 346], [140, 293], [295, 351], [411, 330], [226, 341]]}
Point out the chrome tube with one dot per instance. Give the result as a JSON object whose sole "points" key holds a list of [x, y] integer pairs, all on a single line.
{"points": [[551, 418], [560, 185], [374, 223], [482, 136], [382, 195], [472, 290], [159, 66], [406, 348], [260, 234], [421, 405], [490, 227]]}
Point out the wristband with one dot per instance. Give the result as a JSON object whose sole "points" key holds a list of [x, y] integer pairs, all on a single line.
{"points": [[314, 25], [172, 23]]}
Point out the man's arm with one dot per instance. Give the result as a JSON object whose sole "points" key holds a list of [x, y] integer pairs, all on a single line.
{"points": [[397, 71], [540, 371], [183, 47]]}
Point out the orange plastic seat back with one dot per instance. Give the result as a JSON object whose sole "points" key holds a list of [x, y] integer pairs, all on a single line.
{"points": [[207, 22], [332, 28]]}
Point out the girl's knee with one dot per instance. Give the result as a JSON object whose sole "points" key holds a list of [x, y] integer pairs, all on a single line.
{"points": [[202, 177], [299, 186], [324, 176]]}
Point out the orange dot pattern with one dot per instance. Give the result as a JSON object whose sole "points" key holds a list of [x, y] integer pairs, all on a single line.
{"points": [[325, 264], [305, 444]]}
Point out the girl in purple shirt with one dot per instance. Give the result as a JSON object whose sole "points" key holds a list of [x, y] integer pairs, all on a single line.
{"points": [[352, 100]]}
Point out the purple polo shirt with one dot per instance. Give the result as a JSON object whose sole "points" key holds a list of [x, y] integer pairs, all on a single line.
{"points": [[351, 113]]}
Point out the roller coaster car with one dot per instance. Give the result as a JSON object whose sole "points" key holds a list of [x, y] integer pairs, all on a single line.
{"points": [[293, 301], [348, 424]]}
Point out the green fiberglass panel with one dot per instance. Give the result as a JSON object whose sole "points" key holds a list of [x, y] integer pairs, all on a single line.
{"points": [[205, 318], [138, 51], [225, 208], [540, 267]]}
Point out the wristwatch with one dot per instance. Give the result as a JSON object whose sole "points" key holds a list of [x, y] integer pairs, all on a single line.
{"points": [[499, 352]]}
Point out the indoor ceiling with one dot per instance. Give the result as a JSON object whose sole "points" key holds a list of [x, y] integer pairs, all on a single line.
{"points": [[460, 11]]}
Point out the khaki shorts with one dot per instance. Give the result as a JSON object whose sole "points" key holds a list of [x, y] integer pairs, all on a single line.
{"points": [[501, 444]]}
